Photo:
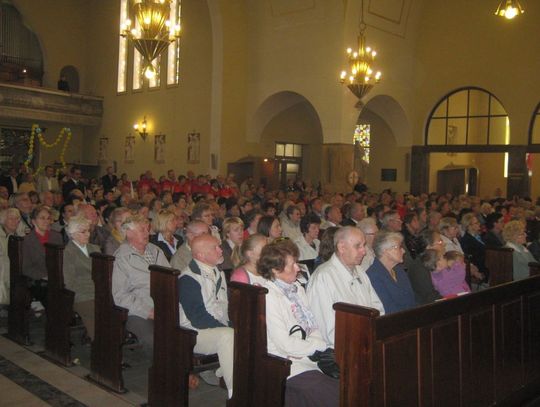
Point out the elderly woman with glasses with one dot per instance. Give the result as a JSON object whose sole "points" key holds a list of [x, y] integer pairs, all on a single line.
{"points": [[516, 238], [292, 329], [78, 269], [449, 230], [115, 239], [387, 275], [370, 229]]}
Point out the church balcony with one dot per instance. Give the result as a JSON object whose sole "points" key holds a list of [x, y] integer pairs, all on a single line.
{"points": [[41, 105]]}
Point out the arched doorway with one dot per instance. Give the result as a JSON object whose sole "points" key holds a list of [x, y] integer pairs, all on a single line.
{"points": [[289, 128]]}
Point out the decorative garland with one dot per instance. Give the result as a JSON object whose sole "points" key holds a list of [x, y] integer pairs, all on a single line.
{"points": [[36, 130]]}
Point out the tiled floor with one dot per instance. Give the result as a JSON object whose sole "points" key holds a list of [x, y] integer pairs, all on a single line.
{"points": [[27, 379]]}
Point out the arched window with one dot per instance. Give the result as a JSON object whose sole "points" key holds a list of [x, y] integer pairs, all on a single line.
{"points": [[468, 116], [133, 59], [362, 140], [534, 131]]}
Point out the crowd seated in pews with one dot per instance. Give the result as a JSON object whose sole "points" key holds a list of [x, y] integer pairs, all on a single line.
{"points": [[386, 251]]}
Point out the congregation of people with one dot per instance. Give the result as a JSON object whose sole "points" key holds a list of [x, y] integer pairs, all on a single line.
{"points": [[310, 248]]}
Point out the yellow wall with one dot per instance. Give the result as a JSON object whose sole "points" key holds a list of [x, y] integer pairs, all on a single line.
{"points": [[236, 54]]}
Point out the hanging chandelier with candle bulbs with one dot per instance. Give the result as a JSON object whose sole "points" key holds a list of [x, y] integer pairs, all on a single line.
{"points": [[152, 32], [509, 9], [361, 75]]}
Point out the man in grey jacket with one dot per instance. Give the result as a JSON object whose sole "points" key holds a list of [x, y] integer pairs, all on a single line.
{"points": [[131, 278]]}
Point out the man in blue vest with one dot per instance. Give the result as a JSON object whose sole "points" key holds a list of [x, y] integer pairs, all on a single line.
{"points": [[204, 305]]}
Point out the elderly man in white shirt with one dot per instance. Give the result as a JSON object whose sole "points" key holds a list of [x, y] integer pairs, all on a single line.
{"points": [[340, 279]]}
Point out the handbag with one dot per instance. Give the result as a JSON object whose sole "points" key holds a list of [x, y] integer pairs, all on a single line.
{"points": [[326, 360]]}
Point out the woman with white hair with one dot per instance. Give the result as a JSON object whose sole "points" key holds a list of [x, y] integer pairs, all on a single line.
{"points": [[449, 230], [78, 269], [9, 221], [387, 275]]}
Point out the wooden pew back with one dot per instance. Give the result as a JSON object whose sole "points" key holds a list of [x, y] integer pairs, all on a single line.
{"points": [[110, 327], [259, 378], [499, 264], [173, 346], [59, 308], [20, 297], [475, 350]]}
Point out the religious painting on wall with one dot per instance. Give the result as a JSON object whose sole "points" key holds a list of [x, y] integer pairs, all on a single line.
{"points": [[193, 148], [129, 150], [103, 150], [159, 148]]}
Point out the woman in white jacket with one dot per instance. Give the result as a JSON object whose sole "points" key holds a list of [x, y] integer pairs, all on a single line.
{"points": [[292, 330]]}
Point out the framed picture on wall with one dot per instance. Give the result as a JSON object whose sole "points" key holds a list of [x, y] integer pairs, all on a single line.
{"points": [[129, 150], [193, 148], [103, 150], [159, 148], [389, 174]]}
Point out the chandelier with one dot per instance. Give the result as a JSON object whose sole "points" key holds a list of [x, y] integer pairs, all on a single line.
{"points": [[509, 9], [153, 31], [361, 76]]}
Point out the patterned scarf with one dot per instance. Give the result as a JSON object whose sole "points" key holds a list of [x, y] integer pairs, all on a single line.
{"points": [[301, 312]]}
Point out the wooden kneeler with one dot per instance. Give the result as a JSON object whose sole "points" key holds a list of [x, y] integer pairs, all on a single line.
{"points": [[59, 308], [19, 296], [110, 328], [259, 378], [173, 346]]}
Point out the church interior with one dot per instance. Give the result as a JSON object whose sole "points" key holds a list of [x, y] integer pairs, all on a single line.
{"points": [[449, 104]]}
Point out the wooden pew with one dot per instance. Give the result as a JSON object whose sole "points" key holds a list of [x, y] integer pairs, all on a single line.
{"points": [[59, 308], [110, 328], [476, 350], [500, 265], [173, 346], [534, 269], [259, 378], [20, 297]]}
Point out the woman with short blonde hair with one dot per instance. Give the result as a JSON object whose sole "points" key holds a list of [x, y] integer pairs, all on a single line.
{"points": [[165, 224], [516, 238], [233, 235]]}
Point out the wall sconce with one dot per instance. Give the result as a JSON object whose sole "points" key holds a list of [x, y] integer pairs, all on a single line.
{"points": [[141, 129]]}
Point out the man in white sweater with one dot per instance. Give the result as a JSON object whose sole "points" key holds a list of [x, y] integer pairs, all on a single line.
{"points": [[340, 279]]}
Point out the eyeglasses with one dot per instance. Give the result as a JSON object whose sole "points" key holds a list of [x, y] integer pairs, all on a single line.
{"points": [[280, 239]]}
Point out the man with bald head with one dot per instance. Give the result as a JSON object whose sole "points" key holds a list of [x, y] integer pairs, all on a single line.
{"points": [[204, 305], [183, 256], [340, 279]]}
